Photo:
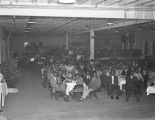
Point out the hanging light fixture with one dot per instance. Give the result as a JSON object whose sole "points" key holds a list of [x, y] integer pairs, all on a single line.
{"points": [[26, 31], [27, 28], [109, 23], [31, 22]]}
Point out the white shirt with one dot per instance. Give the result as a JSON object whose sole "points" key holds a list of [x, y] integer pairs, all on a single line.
{"points": [[112, 79]]}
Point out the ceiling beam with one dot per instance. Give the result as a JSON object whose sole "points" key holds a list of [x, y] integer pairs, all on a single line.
{"points": [[138, 2], [81, 1], [67, 22], [126, 2], [84, 12], [117, 25], [122, 24], [111, 2], [149, 4], [96, 2]]}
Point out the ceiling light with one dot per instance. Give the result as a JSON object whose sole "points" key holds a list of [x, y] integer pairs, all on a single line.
{"points": [[116, 31], [109, 23], [27, 28], [67, 1], [26, 31], [31, 22]]}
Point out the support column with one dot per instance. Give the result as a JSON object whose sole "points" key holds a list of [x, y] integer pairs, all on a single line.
{"points": [[0, 45], [91, 44], [8, 45], [134, 44], [67, 41]]}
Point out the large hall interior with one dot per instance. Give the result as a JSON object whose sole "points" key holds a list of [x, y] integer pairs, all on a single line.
{"points": [[52, 51]]}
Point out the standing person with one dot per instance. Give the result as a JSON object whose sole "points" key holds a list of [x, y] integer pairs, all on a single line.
{"points": [[55, 87], [3, 91], [78, 57], [42, 72], [103, 80], [112, 86], [94, 84], [145, 75], [140, 79]]}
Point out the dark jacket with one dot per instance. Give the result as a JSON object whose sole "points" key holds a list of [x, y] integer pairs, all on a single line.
{"points": [[95, 83], [109, 80]]}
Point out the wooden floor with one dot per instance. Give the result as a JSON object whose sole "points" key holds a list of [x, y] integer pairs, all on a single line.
{"points": [[33, 102]]}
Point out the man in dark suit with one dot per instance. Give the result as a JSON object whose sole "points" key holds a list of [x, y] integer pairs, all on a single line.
{"points": [[112, 85], [94, 84]]}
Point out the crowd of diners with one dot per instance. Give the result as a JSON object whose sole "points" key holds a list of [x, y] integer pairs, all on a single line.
{"points": [[9, 76], [11, 72], [88, 77]]}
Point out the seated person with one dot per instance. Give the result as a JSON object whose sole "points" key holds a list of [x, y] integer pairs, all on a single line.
{"points": [[3, 91], [151, 88], [151, 82], [79, 81], [87, 78], [70, 83], [42, 71], [94, 84], [54, 84], [152, 74]]}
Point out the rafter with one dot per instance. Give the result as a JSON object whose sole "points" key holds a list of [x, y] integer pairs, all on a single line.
{"points": [[80, 2], [126, 2], [111, 2], [96, 2], [60, 26], [122, 24], [138, 2], [85, 12], [119, 24], [149, 3]]}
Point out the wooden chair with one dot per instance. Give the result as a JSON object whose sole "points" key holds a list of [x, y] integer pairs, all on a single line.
{"points": [[77, 92], [94, 93], [132, 87]]}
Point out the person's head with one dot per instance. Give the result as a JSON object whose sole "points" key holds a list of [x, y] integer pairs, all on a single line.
{"points": [[56, 74], [107, 73], [135, 73], [69, 74], [77, 75], [113, 72], [98, 72], [94, 74]]}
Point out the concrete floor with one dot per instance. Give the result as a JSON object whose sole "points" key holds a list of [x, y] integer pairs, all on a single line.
{"points": [[33, 102]]}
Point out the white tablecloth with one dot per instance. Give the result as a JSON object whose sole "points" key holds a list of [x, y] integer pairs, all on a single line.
{"points": [[150, 90], [3, 93], [70, 87], [121, 82]]}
